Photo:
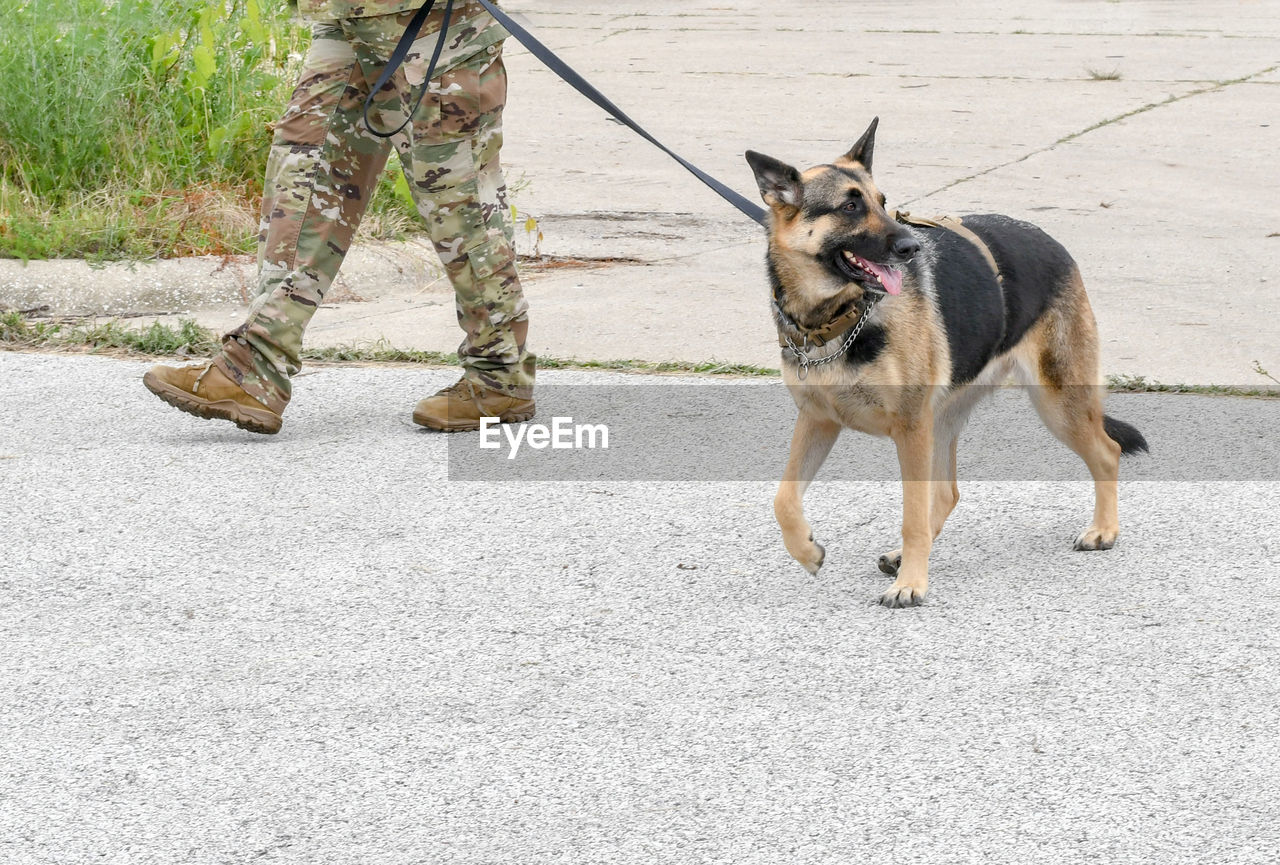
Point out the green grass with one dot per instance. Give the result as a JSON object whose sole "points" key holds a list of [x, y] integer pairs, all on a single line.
{"points": [[140, 128], [1139, 384], [189, 339]]}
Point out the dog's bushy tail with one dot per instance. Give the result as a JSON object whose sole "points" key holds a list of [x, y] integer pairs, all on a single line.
{"points": [[1125, 435]]}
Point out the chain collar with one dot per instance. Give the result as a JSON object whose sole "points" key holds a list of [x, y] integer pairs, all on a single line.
{"points": [[802, 352]]}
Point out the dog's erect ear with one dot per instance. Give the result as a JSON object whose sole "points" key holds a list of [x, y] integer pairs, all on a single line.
{"points": [[863, 150], [779, 183]]}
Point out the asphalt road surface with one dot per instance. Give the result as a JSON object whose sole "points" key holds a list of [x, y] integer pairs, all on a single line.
{"points": [[319, 648]]}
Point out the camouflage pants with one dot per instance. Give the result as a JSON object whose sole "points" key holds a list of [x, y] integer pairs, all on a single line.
{"points": [[323, 166]]}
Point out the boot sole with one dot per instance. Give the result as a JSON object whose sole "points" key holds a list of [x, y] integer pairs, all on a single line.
{"points": [[253, 420], [468, 425]]}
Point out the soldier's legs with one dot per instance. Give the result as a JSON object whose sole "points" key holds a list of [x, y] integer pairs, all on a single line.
{"points": [[322, 168]]}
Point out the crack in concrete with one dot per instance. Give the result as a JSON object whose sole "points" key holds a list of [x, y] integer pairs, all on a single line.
{"points": [[714, 26], [1106, 34], [1214, 88], [1031, 79]]}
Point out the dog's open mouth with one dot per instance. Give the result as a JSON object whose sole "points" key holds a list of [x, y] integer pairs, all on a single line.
{"points": [[874, 276]]}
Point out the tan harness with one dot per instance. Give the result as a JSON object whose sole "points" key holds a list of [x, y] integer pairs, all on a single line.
{"points": [[955, 224], [841, 323]]}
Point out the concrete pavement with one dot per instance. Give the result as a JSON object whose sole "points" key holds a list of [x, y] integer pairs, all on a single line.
{"points": [[1143, 134], [316, 648]]}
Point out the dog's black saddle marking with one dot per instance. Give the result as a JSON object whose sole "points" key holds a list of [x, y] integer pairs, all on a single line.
{"points": [[1036, 269], [983, 317]]}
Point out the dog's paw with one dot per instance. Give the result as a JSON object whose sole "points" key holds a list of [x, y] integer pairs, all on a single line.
{"points": [[902, 595], [809, 553], [1096, 539], [813, 557], [890, 562]]}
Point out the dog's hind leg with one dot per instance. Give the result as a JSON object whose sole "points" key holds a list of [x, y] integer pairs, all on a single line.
{"points": [[810, 443], [1068, 397], [1074, 415]]}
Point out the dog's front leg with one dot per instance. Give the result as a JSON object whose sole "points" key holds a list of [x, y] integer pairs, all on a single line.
{"points": [[810, 444], [915, 458]]}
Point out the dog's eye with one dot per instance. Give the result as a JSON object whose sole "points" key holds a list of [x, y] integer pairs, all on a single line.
{"points": [[852, 207]]}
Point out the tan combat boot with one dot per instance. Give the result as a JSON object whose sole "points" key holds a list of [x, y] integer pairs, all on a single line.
{"points": [[461, 405], [206, 392]]}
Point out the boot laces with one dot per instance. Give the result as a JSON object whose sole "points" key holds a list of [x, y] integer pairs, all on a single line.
{"points": [[464, 389]]}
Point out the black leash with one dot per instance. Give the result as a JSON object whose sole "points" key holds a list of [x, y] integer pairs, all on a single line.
{"points": [[558, 66], [397, 60]]}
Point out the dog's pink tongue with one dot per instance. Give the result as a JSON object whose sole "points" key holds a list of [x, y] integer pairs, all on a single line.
{"points": [[890, 277]]}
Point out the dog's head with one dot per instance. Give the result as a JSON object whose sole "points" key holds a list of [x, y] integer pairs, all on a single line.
{"points": [[830, 239]]}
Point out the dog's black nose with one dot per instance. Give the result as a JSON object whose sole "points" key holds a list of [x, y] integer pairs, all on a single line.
{"points": [[906, 247]]}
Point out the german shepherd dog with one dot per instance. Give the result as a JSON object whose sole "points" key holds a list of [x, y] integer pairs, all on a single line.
{"points": [[897, 328]]}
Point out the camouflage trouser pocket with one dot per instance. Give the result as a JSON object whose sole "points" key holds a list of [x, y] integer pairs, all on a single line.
{"points": [[469, 98], [491, 258]]}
